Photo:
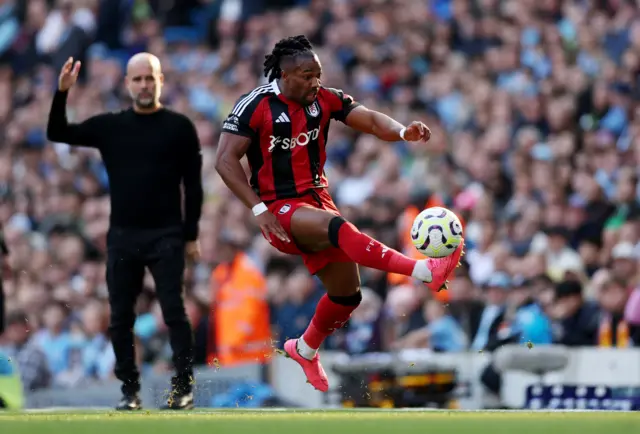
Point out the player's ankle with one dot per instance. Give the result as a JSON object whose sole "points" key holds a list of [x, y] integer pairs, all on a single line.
{"points": [[422, 272], [305, 350]]}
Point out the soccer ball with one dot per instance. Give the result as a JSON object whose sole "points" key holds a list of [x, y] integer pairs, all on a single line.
{"points": [[436, 232]]}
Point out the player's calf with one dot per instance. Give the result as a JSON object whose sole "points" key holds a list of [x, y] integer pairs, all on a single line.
{"points": [[366, 251], [342, 281], [332, 313]]}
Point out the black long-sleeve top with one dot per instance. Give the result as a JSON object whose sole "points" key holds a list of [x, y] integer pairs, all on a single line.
{"points": [[4, 251], [147, 157]]}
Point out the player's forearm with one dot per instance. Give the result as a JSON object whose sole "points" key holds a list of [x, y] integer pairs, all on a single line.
{"points": [[384, 127], [232, 173]]}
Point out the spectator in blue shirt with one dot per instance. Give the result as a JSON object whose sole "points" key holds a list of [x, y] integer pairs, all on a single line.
{"points": [[25, 351], [442, 332], [54, 339], [528, 322], [294, 314]]}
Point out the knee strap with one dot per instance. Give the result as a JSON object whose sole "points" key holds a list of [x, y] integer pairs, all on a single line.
{"points": [[334, 228], [349, 300]]}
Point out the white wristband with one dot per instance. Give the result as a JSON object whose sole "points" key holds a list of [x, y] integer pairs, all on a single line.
{"points": [[259, 209], [402, 132]]}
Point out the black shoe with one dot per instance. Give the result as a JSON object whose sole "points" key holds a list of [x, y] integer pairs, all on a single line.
{"points": [[129, 403], [181, 396], [179, 401]]}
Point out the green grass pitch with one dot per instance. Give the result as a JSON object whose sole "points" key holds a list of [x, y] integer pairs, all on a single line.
{"points": [[319, 422]]}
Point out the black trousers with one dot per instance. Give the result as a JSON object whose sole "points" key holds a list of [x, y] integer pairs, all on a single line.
{"points": [[130, 251], [2, 314]]}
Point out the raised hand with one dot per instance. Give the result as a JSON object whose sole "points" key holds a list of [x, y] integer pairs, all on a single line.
{"points": [[68, 74]]}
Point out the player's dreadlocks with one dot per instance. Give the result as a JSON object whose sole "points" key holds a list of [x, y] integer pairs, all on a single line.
{"points": [[292, 46]]}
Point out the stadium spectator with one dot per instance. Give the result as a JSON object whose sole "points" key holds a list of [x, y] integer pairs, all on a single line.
{"points": [[493, 314], [464, 303], [301, 294], [54, 338], [529, 322], [30, 359], [614, 331], [240, 328], [402, 313], [441, 333], [364, 332], [624, 262], [98, 358], [575, 319]]}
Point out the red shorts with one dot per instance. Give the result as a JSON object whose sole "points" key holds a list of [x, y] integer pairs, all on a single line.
{"points": [[284, 209]]}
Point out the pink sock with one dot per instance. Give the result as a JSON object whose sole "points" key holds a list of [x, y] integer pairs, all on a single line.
{"points": [[364, 250], [328, 318]]}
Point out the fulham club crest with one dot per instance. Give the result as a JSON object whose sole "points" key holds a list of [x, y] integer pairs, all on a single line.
{"points": [[285, 209], [313, 109]]}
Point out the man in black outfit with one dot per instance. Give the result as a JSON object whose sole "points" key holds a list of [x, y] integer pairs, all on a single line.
{"points": [[149, 152], [4, 253]]}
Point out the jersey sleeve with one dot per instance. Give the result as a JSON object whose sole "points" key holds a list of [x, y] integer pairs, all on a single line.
{"points": [[241, 120], [341, 104]]}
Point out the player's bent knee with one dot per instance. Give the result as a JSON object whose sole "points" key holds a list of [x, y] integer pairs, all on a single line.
{"points": [[334, 229], [347, 300]]}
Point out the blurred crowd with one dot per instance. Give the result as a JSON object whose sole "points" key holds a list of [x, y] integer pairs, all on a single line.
{"points": [[533, 107]]}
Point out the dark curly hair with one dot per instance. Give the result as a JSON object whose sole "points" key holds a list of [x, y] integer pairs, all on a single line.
{"points": [[292, 46]]}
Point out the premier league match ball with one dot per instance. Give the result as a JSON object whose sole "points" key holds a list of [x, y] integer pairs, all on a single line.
{"points": [[436, 232]]}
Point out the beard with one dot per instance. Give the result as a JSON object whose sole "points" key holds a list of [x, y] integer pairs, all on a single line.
{"points": [[145, 102]]}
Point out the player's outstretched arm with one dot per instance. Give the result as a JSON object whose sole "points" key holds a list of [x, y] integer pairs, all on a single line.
{"points": [[59, 129], [385, 128]]}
